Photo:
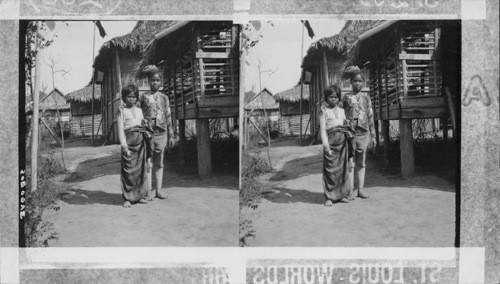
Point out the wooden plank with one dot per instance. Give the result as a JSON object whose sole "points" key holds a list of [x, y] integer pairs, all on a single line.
{"points": [[203, 147], [406, 147], [221, 55], [439, 112], [219, 101], [209, 112], [426, 102], [407, 56]]}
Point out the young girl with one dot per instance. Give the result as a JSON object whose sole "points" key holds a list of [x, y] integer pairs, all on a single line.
{"points": [[337, 139], [156, 109], [135, 141], [359, 113]]}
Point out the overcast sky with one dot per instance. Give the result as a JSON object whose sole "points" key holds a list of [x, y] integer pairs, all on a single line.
{"points": [[280, 48], [73, 49]]}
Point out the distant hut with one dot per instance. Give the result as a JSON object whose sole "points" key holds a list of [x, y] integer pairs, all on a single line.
{"points": [[263, 102], [414, 74], [289, 105], [51, 106], [324, 61], [81, 110], [200, 64], [118, 60]]}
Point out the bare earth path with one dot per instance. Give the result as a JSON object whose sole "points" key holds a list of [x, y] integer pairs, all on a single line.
{"points": [[198, 212], [419, 211]]}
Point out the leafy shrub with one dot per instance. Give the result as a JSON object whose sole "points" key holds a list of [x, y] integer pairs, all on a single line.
{"points": [[251, 191], [38, 231]]}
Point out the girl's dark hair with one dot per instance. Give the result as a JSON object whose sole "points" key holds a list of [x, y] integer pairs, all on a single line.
{"points": [[333, 89], [351, 72], [151, 70], [130, 89]]}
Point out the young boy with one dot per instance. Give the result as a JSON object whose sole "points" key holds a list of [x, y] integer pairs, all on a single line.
{"points": [[359, 113]]}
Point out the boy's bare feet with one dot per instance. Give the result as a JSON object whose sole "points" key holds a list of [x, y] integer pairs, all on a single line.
{"points": [[126, 204], [328, 203], [362, 195], [161, 195], [344, 200], [142, 201]]}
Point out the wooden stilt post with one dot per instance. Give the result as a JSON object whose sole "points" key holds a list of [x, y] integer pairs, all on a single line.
{"points": [[182, 142], [203, 146], [385, 135], [406, 147], [445, 129], [377, 136]]}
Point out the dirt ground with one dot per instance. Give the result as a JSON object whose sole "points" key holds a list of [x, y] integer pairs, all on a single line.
{"points": [[413, 212], [198, 212]]}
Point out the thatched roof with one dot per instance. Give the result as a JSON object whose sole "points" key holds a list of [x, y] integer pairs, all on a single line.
{"points": [[341, 42], [52, 101], [264, 100], [84, 94], [248, 97], [293, 95], [136, 40], [362, 50], [166, 41]]}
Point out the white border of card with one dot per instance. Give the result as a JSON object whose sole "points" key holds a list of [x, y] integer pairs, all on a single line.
{"points": [[467, 264]]}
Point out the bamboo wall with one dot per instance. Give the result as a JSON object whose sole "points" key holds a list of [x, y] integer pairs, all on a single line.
{"points": [[203, 80], [405, 75]]}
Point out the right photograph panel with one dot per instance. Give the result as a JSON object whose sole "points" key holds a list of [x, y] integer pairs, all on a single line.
{"points": [[351, 133]]}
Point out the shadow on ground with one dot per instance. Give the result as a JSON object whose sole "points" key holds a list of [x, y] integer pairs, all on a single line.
{"points": [[312, 165]]}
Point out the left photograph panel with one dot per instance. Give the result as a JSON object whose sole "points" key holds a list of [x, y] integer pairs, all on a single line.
{"points": [[131, 133]]}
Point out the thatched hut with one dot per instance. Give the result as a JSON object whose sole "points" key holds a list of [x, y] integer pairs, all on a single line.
{"points": [[53, 105], [118, 59], [262, 104], [290, 114], [324, 60], [200, 64], [81, 110], [414, 74]]}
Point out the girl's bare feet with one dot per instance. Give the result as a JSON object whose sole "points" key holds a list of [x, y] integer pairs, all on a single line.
{"points": [[142, 201], [345, 200], [126, 204], [328, 203]]}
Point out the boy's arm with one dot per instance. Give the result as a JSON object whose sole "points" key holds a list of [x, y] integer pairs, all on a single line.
{"points": [[371, 123], [168, 118]]}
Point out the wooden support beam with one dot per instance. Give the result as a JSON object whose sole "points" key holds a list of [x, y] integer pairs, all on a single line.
{"points": [[387, 138], [258, 130], [406, 147], [51, 133], [203, 146], [182, 142], [377, 136]]}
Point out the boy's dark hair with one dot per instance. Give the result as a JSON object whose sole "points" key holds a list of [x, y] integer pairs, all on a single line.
{"points": [[151, 70], [351, 72], [130, 89], [333, 89]]}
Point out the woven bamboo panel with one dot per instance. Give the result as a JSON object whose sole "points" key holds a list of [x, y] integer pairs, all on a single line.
{"points": [[290, 125], [82, 125]]}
